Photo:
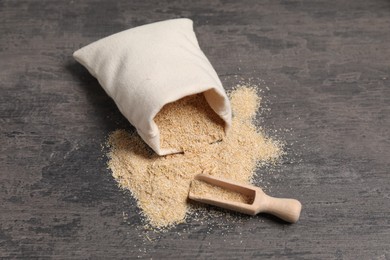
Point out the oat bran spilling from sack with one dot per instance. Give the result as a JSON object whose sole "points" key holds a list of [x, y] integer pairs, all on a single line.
{"points": [[160, 185]]}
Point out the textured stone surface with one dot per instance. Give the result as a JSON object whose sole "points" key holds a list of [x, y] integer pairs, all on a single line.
{"points": [[326, 64]]}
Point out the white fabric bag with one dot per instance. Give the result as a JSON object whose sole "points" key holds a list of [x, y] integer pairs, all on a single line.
{"points": [[146, 67]]}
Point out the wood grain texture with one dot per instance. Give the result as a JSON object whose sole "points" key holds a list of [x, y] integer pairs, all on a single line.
{"points": [[326, 65]]}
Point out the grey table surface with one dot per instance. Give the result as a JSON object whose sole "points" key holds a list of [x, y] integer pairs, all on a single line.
{"points": [[323, 66]]}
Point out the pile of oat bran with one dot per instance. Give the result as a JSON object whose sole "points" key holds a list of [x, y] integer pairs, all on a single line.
{"points": [[161, 184]]}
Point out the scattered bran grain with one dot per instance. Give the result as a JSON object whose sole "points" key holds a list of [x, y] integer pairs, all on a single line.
{"points": [[161, 184], [246, 101]]}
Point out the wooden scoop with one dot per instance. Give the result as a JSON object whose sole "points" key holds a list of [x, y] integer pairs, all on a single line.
{"points": [[286, 209]]}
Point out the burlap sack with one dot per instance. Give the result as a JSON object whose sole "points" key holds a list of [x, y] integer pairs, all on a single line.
{"points": [[146, 67]]}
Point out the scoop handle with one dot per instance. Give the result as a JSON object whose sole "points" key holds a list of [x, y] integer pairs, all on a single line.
{"points": [[286, 209]]}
